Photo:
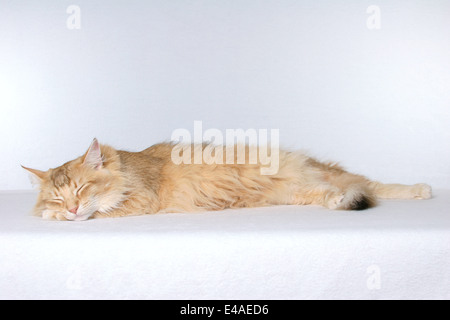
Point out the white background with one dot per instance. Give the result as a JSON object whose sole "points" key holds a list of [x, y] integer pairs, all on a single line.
{"points": [[378, 101]]}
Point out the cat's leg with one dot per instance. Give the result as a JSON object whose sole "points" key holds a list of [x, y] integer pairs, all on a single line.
{"points": [[324, 195], [332, 197], [353, 192], [401, 191], [353, 197], [344, 191]]}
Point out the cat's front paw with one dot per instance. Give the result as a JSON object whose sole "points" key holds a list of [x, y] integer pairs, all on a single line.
{"points": [[53, 215], [422, 191]]}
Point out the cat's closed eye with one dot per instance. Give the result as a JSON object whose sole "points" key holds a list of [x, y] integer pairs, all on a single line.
{"points": [[81, 189], [55, 202], [59, 201]]}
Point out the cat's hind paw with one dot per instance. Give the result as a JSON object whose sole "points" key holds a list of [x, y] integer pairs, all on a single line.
{"points": [[335, 201], [422, 191]]}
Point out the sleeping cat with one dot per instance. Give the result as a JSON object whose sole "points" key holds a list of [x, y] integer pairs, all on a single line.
{"points": [[106, 182]]}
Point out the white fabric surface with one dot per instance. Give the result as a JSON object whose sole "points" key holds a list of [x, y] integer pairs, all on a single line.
{"points": [[399, 250]]}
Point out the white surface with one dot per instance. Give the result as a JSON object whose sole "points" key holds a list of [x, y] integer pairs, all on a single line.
{"points": [[376, 100], [399, 250]]}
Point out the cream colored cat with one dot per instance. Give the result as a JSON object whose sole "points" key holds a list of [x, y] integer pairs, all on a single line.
{"points": [[106, 182]]}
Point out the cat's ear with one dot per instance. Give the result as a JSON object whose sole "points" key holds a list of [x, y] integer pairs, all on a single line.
{"points": [[36, 176], [93, 156]]}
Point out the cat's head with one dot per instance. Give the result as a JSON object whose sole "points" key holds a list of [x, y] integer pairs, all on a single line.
{"points": [[81, 187]]}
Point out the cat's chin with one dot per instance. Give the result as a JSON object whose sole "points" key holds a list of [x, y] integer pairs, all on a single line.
{"points": [[77, 217], [81, 217]]}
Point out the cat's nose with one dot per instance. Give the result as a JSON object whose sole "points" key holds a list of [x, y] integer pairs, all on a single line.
{"points": [[74, 210]]}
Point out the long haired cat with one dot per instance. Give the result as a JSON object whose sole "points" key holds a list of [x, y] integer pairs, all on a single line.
{"points": [[106, 182]]}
